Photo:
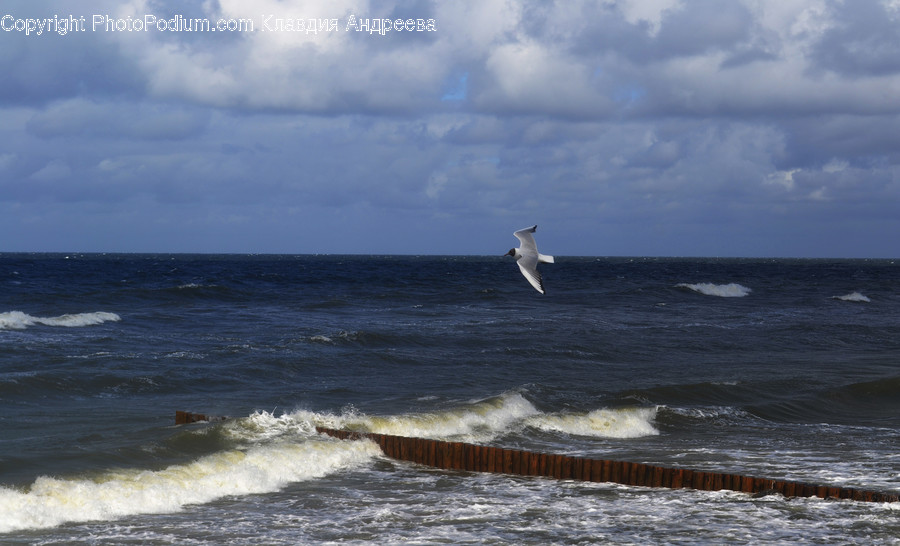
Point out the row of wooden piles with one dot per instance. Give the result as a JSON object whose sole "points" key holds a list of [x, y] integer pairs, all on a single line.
{"points": [[475, 458]]}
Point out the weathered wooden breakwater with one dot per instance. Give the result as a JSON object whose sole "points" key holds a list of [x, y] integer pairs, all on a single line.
{"points": [[475, 458]]}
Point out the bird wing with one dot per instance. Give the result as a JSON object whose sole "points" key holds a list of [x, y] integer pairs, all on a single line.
{"points": [[525, 237], [528, 267]]}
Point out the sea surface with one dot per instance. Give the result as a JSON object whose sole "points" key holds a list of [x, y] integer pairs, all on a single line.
{"points": [[786, 369]]}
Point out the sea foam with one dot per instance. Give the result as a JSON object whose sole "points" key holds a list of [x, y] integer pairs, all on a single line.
{"points": [[478, 422], [633, 422], [49, 502], [731, 290], [17, 320], [279, 450], [854, 297]]}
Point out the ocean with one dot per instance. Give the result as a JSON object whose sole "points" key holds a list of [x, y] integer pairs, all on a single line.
{"points": [[778, 368]]}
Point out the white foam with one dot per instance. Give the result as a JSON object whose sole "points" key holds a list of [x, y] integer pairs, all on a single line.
{"points": [[853, 296], [17, 320], [479, 421], [731, 290], [52, 501], [475, 422], [710, 412], [606, 423], [263, 426]]}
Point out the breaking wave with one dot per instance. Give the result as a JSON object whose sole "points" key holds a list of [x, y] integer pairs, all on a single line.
{"points": [[608, 423], [854, 297], [731, 290], [478, 422], [17, 320], [265, 453], [49, 501]]}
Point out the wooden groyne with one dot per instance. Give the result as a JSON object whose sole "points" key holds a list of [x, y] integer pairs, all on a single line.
{"points": [[475, 458], [186, 418]]}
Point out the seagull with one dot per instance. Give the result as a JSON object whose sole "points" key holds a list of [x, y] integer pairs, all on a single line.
{"points": [[528, 257]]}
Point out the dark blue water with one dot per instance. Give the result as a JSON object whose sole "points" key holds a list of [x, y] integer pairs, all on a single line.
{"points": [[778, 368]]}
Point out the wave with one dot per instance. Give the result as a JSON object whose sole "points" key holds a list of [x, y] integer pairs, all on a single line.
{"points": [[190, 285], [853, 296], [476, 422], [731, 290], [264, 453], [49, 502], [607, 423], [360, 337], [709, 413], [876, 403], [343, 336], [17, 320]]}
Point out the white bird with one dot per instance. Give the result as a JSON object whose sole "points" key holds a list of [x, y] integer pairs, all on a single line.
{"points": [[528, 257]]}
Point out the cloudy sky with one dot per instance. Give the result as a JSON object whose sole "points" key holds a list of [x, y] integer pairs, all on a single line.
{"points": [[620, 127]]}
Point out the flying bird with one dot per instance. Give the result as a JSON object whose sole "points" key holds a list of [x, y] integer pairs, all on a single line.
{"points": [[528, 257]]}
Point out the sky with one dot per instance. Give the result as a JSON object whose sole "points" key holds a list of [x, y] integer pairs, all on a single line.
{"points": [[760, 128]]}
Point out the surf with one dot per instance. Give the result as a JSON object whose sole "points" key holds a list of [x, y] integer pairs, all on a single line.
{"points": [[17, 320], [265, 453], [731, 290], [115, 494], [633, 422], [475, 421], [482, 421]]}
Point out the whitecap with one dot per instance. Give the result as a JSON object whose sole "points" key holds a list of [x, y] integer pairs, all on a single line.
{"points": [[710, 412], [634, 422], [475, 422], [479, 421], [731, 290], [17, 320], [854, 297]]}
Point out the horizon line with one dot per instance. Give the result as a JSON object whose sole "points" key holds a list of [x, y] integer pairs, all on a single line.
{"points": [[439, 255]]}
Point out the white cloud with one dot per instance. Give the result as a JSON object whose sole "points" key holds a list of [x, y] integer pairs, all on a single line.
{"points": [[836, 165], [819, 194], [532, 77], [782, 178], [108, 165], [649, 11], [52, 171], [436, 183], [699, 58]]}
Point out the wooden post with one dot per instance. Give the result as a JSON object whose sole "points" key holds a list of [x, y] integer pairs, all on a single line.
{"points": [[461, 456]]}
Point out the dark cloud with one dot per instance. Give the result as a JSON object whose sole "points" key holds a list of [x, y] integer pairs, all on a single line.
{"points": [[41, 69], [702, 26], [116, 119], [864, 40]]}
